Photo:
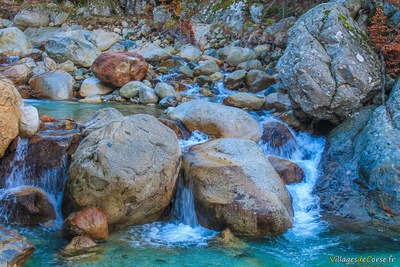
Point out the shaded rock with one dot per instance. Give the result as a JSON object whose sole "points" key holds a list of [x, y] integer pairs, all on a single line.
{"points": [[161, 15], [31, 19], [93, 86], [81, 53], [237, 55], [54, 85], [90, 221], [180, 132], [26, 205], [10, 114], [147, 96], [206, 68], [153, 53], [165, 90], [18, 74], [235, 187], [216, 120], [34, 53], [13, 41], [279, 30], [15, 249], [258, 80], [278, 101], [190, 53], [128, 169], [352, 5], [103, 40], [279, 138], [235, 79], [289, 171], [29, 123], [119, 68], [185, 70], [245, 101], [328, 67]]}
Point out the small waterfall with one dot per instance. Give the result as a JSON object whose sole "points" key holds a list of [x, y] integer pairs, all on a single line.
{"points": [[184, 210]]}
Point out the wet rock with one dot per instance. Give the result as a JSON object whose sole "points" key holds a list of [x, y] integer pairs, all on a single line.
{"points": [[13, 41], [279, 137], [258, 80], [216, 120], [245, 101], [237, 55], [93, 86], [206, 68], [289, 171], [18, 74], [235, 187], [54, 85], [328, 68], [81, 53], [79, 245], [190, 53], [278, 101], [103, 40], [164, 90], [93, 99], [26, 205], [180, 132], [128, 168], [29, 123], [15, 249], [31, 19], [10, 114], [120, 68], [90, 221], [235, 79]]}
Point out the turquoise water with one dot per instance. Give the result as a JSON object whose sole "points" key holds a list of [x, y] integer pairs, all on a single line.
{"points": [[311, 241]]}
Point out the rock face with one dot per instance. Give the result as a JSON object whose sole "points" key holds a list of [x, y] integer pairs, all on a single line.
{"points": [[289, 171], [54, 85], [91, 222], [30, 19], [27, 205], [235, 187], [15, 249], [216, 120], [328, 67], [80, 52], [128, 167], [120, 68], [13, 41], [10, 114]]}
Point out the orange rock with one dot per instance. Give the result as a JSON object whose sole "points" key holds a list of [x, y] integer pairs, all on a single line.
{"points": [[47, 118], [119, 68], [289, 171], [91, 222]]}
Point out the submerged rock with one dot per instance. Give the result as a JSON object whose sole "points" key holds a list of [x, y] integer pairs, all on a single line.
{"points": [[235, 187], [79, 245], [216, 120], [278, 136], [15, 249], [128, 168]]}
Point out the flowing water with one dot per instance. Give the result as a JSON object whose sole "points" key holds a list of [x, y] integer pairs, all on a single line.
{"points": [[181, 241]]}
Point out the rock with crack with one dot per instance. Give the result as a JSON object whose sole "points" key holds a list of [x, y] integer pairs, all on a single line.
{"points": [[328, 67]]}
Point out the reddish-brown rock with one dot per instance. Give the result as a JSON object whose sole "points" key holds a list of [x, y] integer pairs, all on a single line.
{"points": [[119, 68], [278, 136], [289, 171], [91, 222]]}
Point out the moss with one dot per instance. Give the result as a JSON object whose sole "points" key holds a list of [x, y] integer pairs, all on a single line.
{"points": [[326, 12], [347, 25]]}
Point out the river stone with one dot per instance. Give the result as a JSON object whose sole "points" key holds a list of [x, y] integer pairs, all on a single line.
{"points": [[31, 19], [278, 101], [328, 67], [93, 86], [235, 187], [235, 79], [13, 41], [128, 168], [78, 245], [29, 123], [245, 101], [279, 138], [10, 114], [237, 55], [53, 85], [26, 205], [258, 80], [164, 90], [119, 68], [152, 53], [279, 31], [217, 120], [15, 249], [90, 221], [206, 68], [100, 119], [190, 53], [161, 15], [18, 74], [289, 171], [147, 96], [103, 40], [81, 53], [250, 65], [60, 18], [132, 89]]}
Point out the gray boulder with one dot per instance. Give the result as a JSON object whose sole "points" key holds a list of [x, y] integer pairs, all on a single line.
{"points": [[235, 79], [164, 90], [237, 55], [328, 67], [132, 89], [206, 68], [128, 168], [190, 52], [31, 19], [13, 41], [147, 96], [258, 80], [81, 53], [54, 85], [93, 86]]}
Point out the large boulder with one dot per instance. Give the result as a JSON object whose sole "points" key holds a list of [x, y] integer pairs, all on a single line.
{"points": [[328, 67], [153, 53], [26, 205], [31, 19], [10, 114], [119, 68], [91, 222], [53, 85], [190, 53], [81, 53], [128, 168], [235, 187], [216, 120], [15, 249], [13, 41]]}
